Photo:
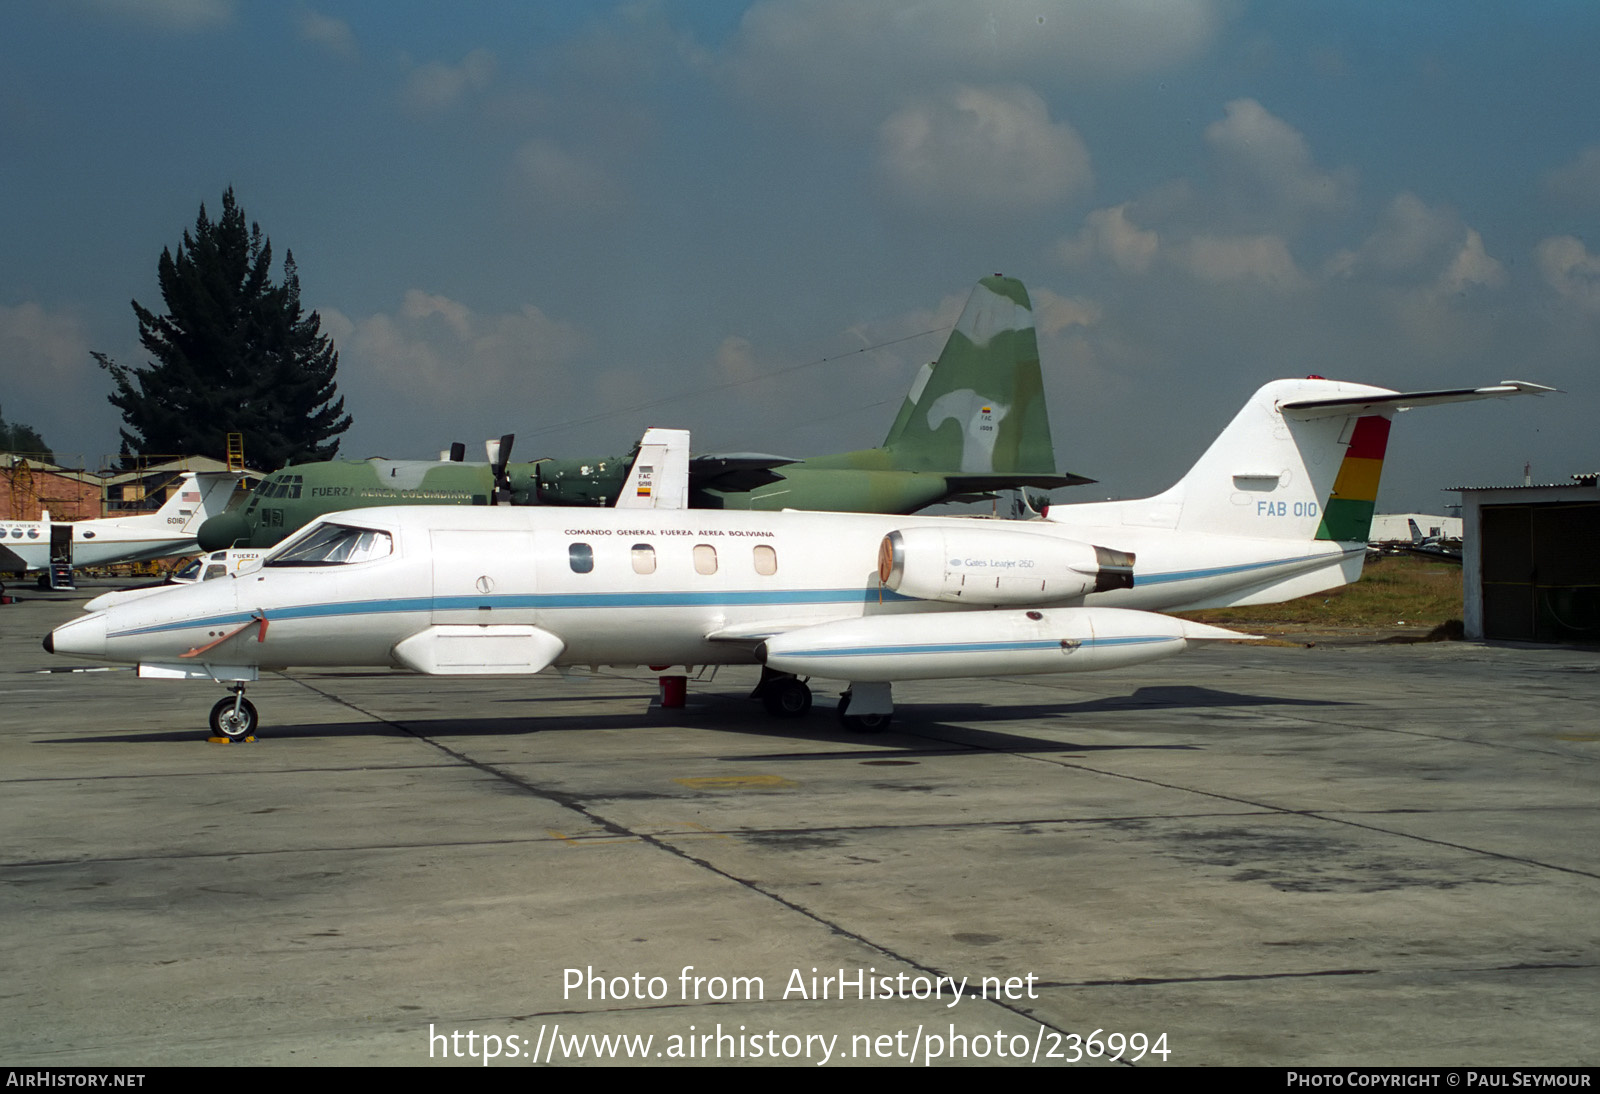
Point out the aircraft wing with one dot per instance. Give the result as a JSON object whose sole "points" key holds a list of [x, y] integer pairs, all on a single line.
{"points": [[752, 633], [1304, 409], [10, 561]]}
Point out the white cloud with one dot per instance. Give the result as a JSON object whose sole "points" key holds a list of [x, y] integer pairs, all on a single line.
{"points": [[437, 353], [326, 31], [893, 328], [1577, 183], [1569, 269], [1261, 258], [565, 179], [185, 15], [835, 59], [1422, 246], [1108, 234], [41, 350], [1268, 159], [52, 383], [1471, 266], [1053, 313], [736, 360], [435, 87], [981, 152]]}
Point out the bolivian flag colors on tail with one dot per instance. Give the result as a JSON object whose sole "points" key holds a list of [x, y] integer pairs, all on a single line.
{"points": [[1347, 517]]}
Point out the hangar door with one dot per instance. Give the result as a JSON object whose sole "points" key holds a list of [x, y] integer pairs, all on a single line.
{"points": [[1541, 572]]}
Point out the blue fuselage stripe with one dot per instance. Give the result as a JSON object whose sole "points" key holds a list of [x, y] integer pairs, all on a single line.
{"points": [[538, 602], [1141, 578], [977, 647], [641, 600]]}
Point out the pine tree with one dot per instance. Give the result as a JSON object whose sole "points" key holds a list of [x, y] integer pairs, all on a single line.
{"points": [[23, 440], [235, 353]]}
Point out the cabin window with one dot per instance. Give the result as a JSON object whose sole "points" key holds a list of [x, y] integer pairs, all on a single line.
{"points": [[705, 558], [766, 560], [329, 544], [216, 569], [580, 556], [644, 558]]}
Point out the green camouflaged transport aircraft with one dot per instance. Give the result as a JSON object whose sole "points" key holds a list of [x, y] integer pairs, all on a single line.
{"points": [[973, 422]]}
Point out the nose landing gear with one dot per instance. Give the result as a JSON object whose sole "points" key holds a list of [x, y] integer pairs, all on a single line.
{"points": [[234, 718]]}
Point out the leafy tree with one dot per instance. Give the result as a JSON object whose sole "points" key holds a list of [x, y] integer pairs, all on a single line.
{"points": [[24, 440], [235, 353]]}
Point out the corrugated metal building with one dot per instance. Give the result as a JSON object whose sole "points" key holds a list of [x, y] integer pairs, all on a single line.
{"points": [[1531, 561]]}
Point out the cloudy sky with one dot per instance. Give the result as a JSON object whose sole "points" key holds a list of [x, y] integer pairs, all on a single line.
{"points": [[572, 221]]}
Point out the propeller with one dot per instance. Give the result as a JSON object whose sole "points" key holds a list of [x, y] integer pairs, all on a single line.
{"points": [[499, 456]]}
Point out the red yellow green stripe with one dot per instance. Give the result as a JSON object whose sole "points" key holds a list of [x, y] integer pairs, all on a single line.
{"points": [[1347, 514]]}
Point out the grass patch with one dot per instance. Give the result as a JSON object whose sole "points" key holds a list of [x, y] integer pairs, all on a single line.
{"points": [[1394, 590]]}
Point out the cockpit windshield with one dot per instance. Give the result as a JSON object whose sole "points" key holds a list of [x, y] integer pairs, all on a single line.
{"points": [[334, 544]]}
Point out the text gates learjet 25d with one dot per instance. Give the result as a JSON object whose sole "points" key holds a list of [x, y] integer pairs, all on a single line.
{"points": [[1278, 507]]}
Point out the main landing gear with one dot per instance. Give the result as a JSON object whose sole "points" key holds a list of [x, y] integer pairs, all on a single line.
{"points": [[234, 718], [783, 695], [787, 696], [873, 705]]}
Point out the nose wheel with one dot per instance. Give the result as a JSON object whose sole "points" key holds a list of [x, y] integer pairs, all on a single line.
{"points": [[234, 717]]}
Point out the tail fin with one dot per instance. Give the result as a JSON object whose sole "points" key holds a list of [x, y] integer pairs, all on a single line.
{"points": [[197, 496], [659, 478], [980, 407], [1301, 461]]}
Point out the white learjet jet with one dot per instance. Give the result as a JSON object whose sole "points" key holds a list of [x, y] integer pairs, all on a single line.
{"points": [[1278, 507]]}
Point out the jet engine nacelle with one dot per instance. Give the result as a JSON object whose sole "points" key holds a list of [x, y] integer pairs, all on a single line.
{"points": [[997, 566]]}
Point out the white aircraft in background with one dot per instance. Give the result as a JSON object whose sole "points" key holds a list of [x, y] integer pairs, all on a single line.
{"points": [[27, 544], [1278, 507]]}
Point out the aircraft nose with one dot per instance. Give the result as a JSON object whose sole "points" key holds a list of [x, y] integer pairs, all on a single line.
{"points": [[222, 531], [84, 636]]}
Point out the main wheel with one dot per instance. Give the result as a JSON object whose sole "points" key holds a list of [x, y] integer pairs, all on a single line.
{"points": [[861, 723], [786, 697], [236, 726]]}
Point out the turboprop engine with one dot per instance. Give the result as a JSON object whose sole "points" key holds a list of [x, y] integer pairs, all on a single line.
{"points": [[997, 567]]}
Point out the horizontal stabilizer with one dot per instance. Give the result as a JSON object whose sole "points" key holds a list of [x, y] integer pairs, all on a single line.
{"points": [[735, 473], [1306, 409], [973, 483]]}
